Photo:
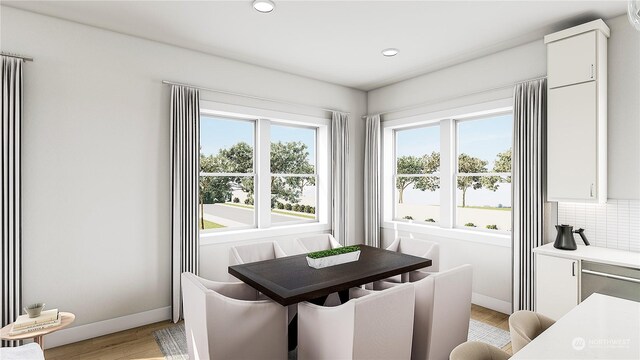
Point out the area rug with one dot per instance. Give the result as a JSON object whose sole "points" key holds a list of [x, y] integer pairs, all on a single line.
{"points": [[173, 341], [479, 331]]}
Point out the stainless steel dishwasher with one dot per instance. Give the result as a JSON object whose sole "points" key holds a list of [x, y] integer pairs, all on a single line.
{"points": [[618, 281]]}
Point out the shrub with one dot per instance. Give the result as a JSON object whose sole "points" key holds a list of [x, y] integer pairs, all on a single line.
{"points": [[296, 207], [408, 217], [307, 209], [313, 210], [470, 224], [236, 200], [248, 201], [430, 220], [280, 205], [287, 207], [492, 227]]}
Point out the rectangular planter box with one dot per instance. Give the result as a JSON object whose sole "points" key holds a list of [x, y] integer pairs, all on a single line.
{"points": [[333, 260]]}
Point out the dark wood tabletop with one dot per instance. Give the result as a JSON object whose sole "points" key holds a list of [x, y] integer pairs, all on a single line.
{"points": [[290, 280]]}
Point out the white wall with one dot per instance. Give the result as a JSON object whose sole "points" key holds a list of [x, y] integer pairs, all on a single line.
{"points": [[449, 88], [96, 157]]}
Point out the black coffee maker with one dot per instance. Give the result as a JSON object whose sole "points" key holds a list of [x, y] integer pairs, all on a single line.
{"points": [[565, 240]]}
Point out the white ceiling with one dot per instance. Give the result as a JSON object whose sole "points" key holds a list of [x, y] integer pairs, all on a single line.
{"points": [[336, 41]]}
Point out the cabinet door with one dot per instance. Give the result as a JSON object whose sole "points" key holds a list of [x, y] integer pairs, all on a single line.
{"points": [[572, 60], [556, 285], [572, 143]]}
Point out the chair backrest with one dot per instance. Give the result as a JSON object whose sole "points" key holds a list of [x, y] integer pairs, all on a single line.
{"points": [[418, 247], [475, 350], [318, 242], [31, 351], [443, 309], [374, 326], [244, 254], [525, 326], [225, 321]]}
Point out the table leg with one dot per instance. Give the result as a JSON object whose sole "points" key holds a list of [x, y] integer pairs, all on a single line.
{"points": [[40, 341], [293, 333]]}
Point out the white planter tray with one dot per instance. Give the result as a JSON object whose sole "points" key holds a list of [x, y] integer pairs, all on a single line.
{"points": [[333, 260]]}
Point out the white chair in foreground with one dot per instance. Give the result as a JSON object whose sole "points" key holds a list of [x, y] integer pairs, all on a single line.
{"points": [[31, 351], [226, 321], [373, 325], [475, 350], [244, 254], [442, 313], [318, 242]]}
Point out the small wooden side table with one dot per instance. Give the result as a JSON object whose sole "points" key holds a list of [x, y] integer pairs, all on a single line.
{"points": [[38, 335]]}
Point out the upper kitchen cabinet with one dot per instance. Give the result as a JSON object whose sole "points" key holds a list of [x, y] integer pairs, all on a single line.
{"points": [[577, 113]]}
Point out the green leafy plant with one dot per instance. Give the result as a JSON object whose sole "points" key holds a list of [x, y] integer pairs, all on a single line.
{"points": [[408, 217], [492, 227], [280, 206], [307, 209], [332, 252], [296, 207], [236, 200], [429, 220], [288, 207], [313, 210], [470, 224]]}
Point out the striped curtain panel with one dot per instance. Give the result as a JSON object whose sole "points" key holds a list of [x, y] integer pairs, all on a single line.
{"points": [[530, 113], [185, 167], [340, 175], [11, 192], [372, 181]]}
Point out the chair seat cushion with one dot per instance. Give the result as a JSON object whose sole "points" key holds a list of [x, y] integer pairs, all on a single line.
{"points": [[30, 351]]}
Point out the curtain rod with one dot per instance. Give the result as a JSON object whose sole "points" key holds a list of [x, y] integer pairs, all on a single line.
{"points": [[416, 106], [25, 58], [250, 96]]}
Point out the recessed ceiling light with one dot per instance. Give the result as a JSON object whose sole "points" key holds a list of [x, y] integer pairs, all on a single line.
{"points": [[264, 6], [390, 52]]}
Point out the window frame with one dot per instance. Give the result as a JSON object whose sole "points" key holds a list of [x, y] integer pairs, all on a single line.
{"points": [[448, 172], [263, 119]]}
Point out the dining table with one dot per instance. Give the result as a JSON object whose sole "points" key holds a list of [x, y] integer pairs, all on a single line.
{"points": [[600, 327], [290, 280]]}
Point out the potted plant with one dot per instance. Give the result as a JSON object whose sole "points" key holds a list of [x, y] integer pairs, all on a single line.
{"points": [[341, 255]]}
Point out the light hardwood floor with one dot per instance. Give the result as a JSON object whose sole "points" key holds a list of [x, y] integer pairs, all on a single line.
{"points": [[139, 343]]}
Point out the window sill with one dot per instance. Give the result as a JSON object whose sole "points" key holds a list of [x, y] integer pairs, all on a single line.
{"points": [[483, 237], [232, 236]]}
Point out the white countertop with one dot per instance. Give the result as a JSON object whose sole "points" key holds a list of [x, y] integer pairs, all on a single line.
{"points": [[601, 327], [594, 253]]}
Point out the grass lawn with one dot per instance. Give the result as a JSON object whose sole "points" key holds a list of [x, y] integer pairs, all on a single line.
{"points": [[209, 225], [292, 213], [486, 208]]}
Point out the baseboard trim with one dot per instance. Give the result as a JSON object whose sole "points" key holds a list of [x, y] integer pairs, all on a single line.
{"points": [[491, 303], [88, 331]]}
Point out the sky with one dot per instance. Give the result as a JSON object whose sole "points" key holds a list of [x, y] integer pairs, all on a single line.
{"points": [[219, 133]]}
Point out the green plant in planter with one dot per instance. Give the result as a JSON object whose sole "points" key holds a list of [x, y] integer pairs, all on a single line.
{"points": [[336, 251], [470, 224], [492, 227], [430, 220]]}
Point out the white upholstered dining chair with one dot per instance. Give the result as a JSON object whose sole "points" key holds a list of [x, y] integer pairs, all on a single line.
{"points": [[442, 311], [418, 247], [318, 242], [475, 350], [244, 254], [524, 326], [372, 325], [227, 321]]}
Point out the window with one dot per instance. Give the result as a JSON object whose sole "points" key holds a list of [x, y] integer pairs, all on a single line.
{"points": [[450, 172], [417, 169], [293, 174], [227, 178], [261, 173], [483, 177]]}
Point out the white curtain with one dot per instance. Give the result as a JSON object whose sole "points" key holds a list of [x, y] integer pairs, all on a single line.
{"points": [[372, 181], [340, 171], [528, 189], [11, 192], [185, 167]]}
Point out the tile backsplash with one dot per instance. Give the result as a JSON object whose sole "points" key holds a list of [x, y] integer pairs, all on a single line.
{"points": [[614, 225]]}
